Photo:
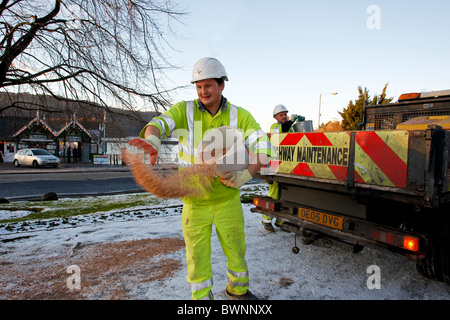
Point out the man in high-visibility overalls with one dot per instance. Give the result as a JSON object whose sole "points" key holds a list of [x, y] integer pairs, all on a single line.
{"points": [[222, 205], [282, 125]]}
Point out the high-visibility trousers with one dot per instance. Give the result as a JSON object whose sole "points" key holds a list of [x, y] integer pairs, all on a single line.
{"points": [[274, 193], [197, 221]]}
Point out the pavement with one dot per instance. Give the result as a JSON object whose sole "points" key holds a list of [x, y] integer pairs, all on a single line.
{"points": [[9, 168]]}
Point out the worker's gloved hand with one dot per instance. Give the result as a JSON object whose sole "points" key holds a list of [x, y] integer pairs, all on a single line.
{"points": [[149, 145], [236, 179], [299, 118]]}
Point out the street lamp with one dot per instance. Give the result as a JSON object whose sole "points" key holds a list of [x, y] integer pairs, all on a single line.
{"points": [[320, 102]]}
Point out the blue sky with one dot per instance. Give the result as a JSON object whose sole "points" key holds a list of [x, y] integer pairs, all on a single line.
{"points": [[290, 52]]}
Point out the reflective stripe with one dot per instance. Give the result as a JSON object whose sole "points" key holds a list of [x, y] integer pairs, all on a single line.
{"points": [[233, 116], [238, 274], [263, 145], [237, 284], [254, 137], [166, 120], [275, 129], [201, 285], [170, 122], [186, 150], [190, 123], [161, 124]]}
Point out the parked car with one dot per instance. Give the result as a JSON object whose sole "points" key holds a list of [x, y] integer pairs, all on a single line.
{"points": [[35, 158]]}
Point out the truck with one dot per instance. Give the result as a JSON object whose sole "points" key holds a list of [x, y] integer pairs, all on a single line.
{"points": [[385, 186]]}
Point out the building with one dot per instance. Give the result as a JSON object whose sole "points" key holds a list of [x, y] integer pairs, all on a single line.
{"points": [[73, 131], [36, 134]]}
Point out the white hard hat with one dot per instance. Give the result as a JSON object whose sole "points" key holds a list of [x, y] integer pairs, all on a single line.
{"points": [[208, 68], [279, 108]]}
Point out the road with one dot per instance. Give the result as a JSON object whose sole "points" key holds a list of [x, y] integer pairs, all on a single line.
{"points": [[69, 180], [33, 183]]}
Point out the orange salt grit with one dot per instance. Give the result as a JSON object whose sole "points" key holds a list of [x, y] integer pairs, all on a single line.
{"points": [[190, 182]]}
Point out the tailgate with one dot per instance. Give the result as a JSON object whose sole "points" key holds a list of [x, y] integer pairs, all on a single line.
{"points": [[410, 166], [370, 157]]}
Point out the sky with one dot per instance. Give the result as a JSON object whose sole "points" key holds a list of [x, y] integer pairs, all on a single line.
{"points": [[292, 52]]}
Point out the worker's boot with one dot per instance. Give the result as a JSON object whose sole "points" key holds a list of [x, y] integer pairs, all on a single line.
{"points": [[247, 296], [268, 227]]}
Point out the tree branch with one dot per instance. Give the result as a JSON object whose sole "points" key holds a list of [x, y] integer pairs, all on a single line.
{"points": [[106, 51], [12, 51]]}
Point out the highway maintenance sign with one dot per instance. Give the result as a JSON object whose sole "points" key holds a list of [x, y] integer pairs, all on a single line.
{"points": [[376, 157]]}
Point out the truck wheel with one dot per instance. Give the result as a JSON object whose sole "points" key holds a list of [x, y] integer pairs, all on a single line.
{"points": [[436, 265]]}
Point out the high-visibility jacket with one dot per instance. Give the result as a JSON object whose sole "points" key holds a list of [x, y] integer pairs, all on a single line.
{"points": [[276, 128], [190, 121]]}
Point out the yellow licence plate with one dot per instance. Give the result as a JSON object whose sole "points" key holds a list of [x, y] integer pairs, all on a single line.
{"points": [[322, 218]]}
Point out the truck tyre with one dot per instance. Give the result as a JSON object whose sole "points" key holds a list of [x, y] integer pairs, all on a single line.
{"points": [[436, 265]]}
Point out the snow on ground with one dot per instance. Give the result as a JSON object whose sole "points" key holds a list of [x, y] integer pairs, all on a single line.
{"points": [[276, 273]]}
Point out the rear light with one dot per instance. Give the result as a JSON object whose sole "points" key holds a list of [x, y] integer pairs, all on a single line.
{"points": [[411, 244], [398, 240], [409, 96], [264, 204]]}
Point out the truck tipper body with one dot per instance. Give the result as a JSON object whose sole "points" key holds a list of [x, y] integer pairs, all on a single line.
{"points": [[380, 186]]}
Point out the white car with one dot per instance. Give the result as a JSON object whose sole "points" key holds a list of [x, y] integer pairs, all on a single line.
{"points": [[35, 158]]}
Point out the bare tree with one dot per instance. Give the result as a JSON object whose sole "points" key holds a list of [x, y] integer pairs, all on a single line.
{"points": [[105, 52]]}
